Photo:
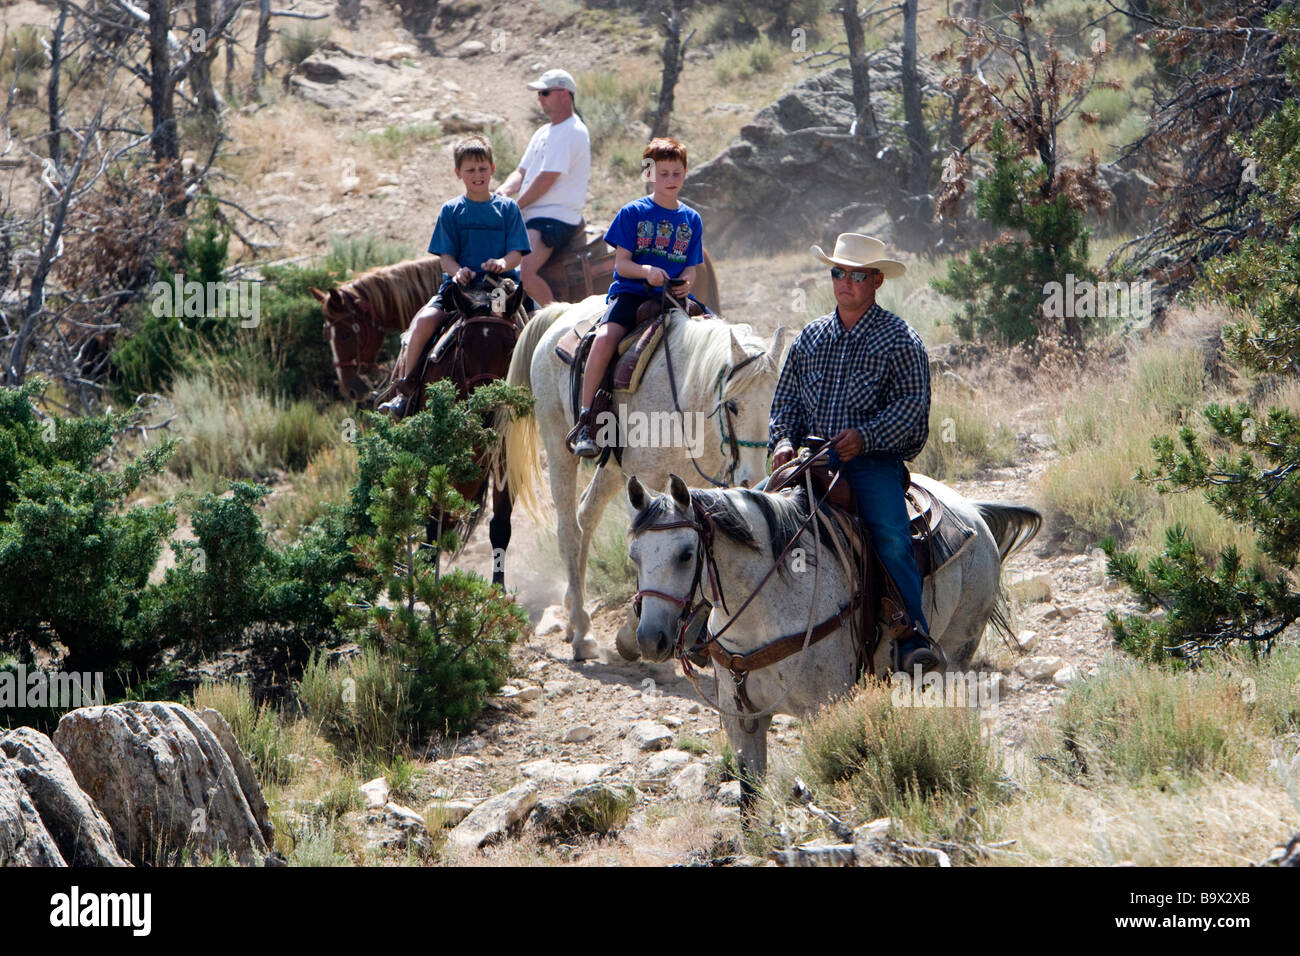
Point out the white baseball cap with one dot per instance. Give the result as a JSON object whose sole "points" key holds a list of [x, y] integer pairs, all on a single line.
{"points": [[554, 80]]}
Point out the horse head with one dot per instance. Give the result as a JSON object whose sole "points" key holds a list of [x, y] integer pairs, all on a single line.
{"points": [[743, 396], [667, 552], [353, 339]]}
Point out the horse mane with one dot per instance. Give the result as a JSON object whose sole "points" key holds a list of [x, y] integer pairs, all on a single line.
{"points": [[783, 513], [397, 292], [707, 344]]}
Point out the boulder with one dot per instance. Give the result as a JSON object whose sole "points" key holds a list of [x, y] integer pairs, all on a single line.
{"points": [[395, 827], [165, 782], [689, 782], [754, 193], [597, 808], [337, 78], [71, 818], [468, 121], [492, 819], [648, 735], [548, 771], [666, 762], [1039, 668], [24, 841]]}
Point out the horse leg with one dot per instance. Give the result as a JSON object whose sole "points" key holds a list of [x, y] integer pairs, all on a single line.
{"points": [[499, 532], [595, 499], [748, 739], [563, 469]]}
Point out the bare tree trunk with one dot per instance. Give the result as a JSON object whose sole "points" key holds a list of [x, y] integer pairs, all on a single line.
{"points": [[56, 119], [230, 68], [201, 68], [956, 134], [166, 142], [259, 45], [918, 137], [674, 53], [864, 124]]}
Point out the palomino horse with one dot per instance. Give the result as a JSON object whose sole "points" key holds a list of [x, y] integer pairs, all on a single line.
{"points": [[686, 539], [721, 379], [360, 312]]}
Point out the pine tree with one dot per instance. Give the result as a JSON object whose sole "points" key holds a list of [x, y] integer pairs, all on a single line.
{"points": [[1216, 603]]}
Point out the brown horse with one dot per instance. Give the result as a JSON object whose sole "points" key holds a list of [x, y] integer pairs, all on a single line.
{"points": [[475, 348], [360, 312]]}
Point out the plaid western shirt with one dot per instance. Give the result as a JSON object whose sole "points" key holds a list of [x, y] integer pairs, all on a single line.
{"points": [[874, 377]]}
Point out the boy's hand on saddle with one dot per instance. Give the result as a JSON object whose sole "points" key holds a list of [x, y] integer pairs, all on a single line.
{"points": [[680, 287], [784, 453], [463, 275], [494, 265], [848, 443]]}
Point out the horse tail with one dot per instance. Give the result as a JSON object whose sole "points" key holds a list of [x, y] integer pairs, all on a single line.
{"points": [[1013, 527], [520, 438], [707, 291]]}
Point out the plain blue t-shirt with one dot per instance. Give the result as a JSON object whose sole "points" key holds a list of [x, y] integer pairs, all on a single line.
{"points": [[473, 232], [671, 239]]}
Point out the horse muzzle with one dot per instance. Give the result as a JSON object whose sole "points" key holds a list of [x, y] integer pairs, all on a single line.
{"points": [[655, 641]]}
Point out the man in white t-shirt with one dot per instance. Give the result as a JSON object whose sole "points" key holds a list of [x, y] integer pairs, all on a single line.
{"points": [[551, 181]]}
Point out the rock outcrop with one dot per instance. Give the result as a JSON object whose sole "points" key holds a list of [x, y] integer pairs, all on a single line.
{"points": [[66, 813], [165, 782]]}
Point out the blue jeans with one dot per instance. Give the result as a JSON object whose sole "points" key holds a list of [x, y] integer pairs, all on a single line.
{"points": [[879, 484]]}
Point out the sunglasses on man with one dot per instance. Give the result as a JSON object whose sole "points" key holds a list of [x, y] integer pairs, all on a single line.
{"points": [[838, 273], [547, 92]]}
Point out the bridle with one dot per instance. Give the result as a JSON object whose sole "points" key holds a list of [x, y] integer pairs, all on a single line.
{"points": [[691, 609], [367, 333]]}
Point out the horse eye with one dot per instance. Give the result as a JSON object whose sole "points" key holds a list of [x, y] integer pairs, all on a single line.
{"points": [[733, 407], [686, 556]]}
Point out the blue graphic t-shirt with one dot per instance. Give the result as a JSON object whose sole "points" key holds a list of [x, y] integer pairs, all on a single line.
{"points": [[474, 232], [671, 239]]}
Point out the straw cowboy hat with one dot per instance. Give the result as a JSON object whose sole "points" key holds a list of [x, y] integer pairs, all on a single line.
{"points": [[856, 251]]}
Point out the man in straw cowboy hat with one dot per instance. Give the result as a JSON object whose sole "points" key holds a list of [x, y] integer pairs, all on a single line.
{"points": [[861, 375]]}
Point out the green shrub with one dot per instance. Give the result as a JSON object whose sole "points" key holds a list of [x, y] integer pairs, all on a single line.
{"points": [[301, 42], [1002, 284], [352, 255], [362, 705], [1146, 726], [75, 558], [256, 728], [878, 757], [396, 142]]}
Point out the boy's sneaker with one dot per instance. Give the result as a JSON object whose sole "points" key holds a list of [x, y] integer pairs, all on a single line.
{"points": [[584, 446]]}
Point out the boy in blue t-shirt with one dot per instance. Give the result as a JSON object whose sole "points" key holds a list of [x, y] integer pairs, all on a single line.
{"points": [[476, 233], [657, 240]]}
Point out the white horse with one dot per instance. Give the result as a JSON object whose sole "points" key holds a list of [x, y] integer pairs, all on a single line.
{"points": [[752, 530], [725, 377]]}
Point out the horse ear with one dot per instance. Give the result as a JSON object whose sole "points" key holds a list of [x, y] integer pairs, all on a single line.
{"points": [[636, 494], [778, 343], [681, 494], [738, 354], [512, 303], [321, 297], [335, 299]]}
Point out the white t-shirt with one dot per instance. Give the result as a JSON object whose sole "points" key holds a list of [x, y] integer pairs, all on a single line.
{"points": [[563, 148]]}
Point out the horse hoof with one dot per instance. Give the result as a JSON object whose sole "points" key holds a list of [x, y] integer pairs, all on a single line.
{"points": [[585, 649], [625, 643]]}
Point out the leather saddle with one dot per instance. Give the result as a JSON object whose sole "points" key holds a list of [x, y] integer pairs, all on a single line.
{"points": [[584, 266], [937, 536], [635, 350]]}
